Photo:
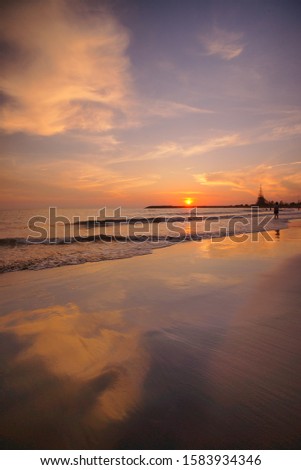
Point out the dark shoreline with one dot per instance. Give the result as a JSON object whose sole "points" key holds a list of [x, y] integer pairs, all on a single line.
{"points": [[293, 205], [237, 206]]}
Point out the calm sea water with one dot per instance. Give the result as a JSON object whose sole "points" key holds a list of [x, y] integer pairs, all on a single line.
{"points": [[39, 239]]}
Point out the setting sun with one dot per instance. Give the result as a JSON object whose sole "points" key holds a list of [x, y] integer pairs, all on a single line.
{"points": [[188, 201]]}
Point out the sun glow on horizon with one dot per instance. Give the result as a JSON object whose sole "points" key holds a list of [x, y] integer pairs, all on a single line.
{"points": [[188, 201]]}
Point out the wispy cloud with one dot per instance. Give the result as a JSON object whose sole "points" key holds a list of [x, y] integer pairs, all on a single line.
{"points": [[281, 124], [172, 149], [286, 131], [167, 109], [69, 69], [225, 44], [105, 142], [282, 180], [287, 124], [228, 140], [88, 181]]}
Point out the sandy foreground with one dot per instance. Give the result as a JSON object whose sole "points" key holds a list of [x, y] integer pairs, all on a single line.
{"points": [[195, 346]]}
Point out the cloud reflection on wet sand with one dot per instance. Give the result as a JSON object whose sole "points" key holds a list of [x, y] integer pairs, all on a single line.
{"points": [[90, 364]]}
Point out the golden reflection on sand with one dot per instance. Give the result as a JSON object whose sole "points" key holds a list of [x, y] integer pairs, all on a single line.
{"points": [[264, 244], [82, 347], [192, 281]]}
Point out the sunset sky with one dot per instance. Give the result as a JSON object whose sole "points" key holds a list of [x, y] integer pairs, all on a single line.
{"points": [[138, 102]]}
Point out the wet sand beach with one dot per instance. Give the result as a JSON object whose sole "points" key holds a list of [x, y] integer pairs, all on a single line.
{"points": [[194, 346]]}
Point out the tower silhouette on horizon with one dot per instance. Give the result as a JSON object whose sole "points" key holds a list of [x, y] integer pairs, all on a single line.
{"points": [[261, 200]]}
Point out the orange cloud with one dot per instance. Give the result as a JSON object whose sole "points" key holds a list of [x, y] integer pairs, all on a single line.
{"points": [[89, 182], [279, 181], [69, 70]]}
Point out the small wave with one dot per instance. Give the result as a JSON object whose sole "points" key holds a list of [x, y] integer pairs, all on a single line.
{"points": [[31, 241], [19, 254], [157, 220], [38, 257], [135, 220], [11, 242]]}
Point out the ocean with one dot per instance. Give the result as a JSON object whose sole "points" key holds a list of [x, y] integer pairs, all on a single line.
{"points": [[52, 237]]}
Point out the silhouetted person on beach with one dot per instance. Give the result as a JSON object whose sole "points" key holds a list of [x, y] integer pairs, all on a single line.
{"points": [[276, 210]]}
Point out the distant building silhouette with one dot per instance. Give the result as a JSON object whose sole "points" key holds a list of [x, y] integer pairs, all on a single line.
{"points": [[261, 200]]}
